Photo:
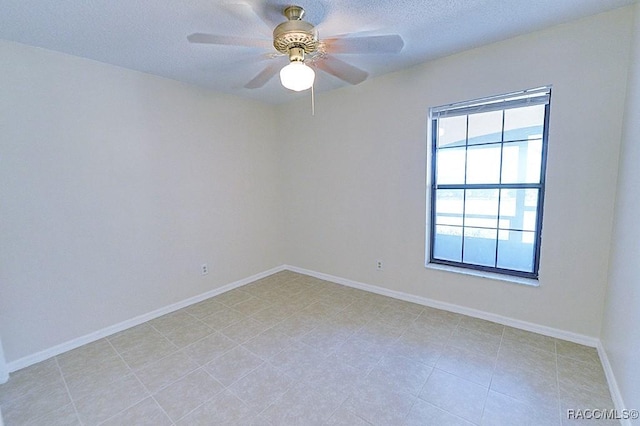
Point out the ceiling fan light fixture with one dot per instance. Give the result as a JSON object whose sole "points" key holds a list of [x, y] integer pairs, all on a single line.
{"points": [[297, 76]]}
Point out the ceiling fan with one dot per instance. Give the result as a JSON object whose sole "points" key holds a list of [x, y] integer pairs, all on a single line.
{"points": [[299, 40]]}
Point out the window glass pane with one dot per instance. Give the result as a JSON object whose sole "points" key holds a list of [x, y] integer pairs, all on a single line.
{"points": [[452, 131], [524, 123], [521, 161], [450, 167], [515, 250], [483, 164], [447, 243], [481, 208], [480, 246], [449, 206], [518, 209], [488, 167], [485, 127]]}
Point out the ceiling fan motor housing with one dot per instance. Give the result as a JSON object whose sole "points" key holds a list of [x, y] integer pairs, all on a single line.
{"points": [[295, 34]]}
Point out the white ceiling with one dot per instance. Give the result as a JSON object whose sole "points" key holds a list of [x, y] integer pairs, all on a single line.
{"points": [[150, 35]]}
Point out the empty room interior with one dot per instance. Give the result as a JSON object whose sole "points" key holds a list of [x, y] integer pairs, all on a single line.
{"points": [[444, 231]]}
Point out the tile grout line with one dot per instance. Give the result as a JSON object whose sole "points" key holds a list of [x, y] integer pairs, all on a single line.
{"points": [[495, 365], [555, 347], [337, 408], [271, 403], [396, 323], [529, 403], [200, 367], [224, 388], [157, 331], [433, 368], [133, 372], [204, 369], [66, 386]]}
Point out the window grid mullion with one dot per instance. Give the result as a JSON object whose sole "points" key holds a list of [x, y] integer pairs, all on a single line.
{"points": [[495, 262], [490, 228], [464, 191], [489, 143], [491, 186], [500, 186]]}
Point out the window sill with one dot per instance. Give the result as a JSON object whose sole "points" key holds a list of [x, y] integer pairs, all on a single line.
{"points": [[482, 274]]}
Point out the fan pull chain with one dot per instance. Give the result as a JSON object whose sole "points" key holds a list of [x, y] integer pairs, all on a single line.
{"points": [[313, 102]]}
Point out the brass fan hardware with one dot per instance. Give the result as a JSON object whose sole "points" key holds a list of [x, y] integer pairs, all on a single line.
{"points": [[298, 39], [295, 37]]}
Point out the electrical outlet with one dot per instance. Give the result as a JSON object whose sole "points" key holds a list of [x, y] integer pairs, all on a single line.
{"points": [[379, 265], [204, 269]]}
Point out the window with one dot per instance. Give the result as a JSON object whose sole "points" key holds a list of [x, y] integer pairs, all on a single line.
{"points": [[487, 182]]}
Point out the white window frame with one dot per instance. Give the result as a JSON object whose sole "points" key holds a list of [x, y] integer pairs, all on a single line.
{"points": [[525, 98]]}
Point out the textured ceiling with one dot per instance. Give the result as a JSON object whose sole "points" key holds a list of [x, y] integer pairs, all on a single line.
{"points": [[150, 35]]}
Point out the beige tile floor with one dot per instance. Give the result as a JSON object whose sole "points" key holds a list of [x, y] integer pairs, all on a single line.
{"points": [[294, 350]]}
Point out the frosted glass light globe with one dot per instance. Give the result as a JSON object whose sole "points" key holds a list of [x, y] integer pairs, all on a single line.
{"points": [[297, 76]]}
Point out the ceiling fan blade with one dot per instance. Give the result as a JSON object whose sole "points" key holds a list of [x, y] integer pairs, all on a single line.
{"points": [[392, 43], [228, 40], [264, 76], [249, 15], [342, 70]]}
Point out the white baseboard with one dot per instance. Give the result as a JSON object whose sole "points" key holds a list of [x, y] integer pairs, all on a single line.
{"points": [[511, 322], [4, 371], [99, 334], [616, 396], [523, 325]]}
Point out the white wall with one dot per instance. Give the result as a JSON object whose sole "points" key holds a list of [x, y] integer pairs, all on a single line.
{"points": [[115, 187], [354, 184], [621, 331]]}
